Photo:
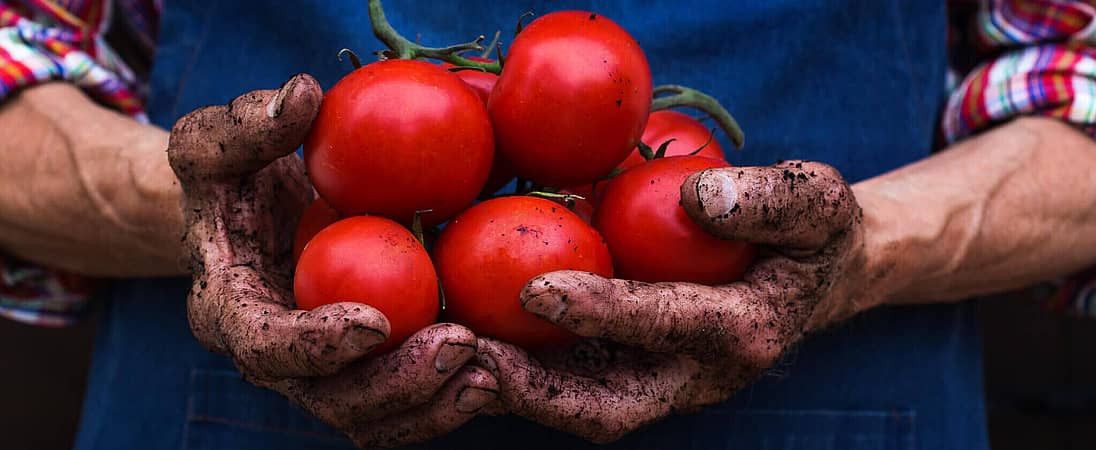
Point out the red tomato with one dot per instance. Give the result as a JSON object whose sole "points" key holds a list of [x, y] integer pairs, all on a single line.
{"points": [[398, 136], [689, 132], [581, 206], [374, 261], [487, 254], [662, 126], [482, 83], [652, 238], [316, 217], [573, 99]]}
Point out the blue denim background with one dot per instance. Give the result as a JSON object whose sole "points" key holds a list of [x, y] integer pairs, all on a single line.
{"points": [[854, 83]]}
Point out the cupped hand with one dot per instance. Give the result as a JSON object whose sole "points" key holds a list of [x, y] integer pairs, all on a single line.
{"points": [[244, 189], [658, 349]]}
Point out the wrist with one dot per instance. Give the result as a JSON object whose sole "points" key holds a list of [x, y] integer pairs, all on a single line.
{"points": [[877, 268], [890, 261]]}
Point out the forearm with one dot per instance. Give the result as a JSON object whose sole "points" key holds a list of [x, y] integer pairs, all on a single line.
{"points": [[999, 211], [85, 188]]}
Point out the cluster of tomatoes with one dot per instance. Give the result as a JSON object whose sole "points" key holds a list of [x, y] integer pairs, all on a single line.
{"points": [[404, 143]]}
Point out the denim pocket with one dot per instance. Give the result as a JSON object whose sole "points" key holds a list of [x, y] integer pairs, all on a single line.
{"points": [[225, 412]]}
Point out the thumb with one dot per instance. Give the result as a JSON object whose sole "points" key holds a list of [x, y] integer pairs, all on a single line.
{"points": [[226, 141], [794, 204]]}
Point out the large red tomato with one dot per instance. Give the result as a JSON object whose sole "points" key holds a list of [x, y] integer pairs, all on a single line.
{"points": [[487, 254], [689, 133], [572, 100], [316, 217], [652, 238], [399, 136], [374, 261]]}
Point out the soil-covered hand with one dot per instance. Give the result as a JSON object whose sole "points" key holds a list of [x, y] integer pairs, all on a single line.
{"points": [[657, 349], [244, 190]]}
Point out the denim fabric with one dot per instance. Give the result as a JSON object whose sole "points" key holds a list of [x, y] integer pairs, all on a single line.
{"points": [[853, 83]]}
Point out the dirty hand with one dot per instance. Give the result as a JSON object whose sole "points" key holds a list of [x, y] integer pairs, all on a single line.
{"points": [[244, 189], [663, 348]]}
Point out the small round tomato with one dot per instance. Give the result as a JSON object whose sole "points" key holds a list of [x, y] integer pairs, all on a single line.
{"points": [[399, 136], [689, 133], [373, 261], [652, 238], [486, 255], [316, 217], [572, 100]]}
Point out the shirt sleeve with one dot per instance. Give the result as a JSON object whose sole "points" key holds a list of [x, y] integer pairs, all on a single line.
{"points": [[48, 40], [1026, 57]]}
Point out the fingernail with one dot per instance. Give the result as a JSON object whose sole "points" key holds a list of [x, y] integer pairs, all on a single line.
{"points": [[546, 305], [363, 339], [717, 193], [472, 399], [452, 355], [274, 108]]}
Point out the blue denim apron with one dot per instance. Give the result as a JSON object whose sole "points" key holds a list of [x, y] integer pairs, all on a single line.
{"points": [[854, 83]]}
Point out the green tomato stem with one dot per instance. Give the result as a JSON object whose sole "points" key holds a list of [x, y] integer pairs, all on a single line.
{"points": [[692, 98], [400, 47], [564, 197], [416, 226], [354, 60]]}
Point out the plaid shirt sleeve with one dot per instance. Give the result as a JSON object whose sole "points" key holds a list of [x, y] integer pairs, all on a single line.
{"points": [[44, 40], [1026, 57]]}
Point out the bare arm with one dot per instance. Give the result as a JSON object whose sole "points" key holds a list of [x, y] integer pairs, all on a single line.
{"points": [[1000, 211], [86, 189]]}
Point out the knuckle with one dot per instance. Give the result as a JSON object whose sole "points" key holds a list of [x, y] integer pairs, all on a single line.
{"points": [[823, 170], [196, 121]]}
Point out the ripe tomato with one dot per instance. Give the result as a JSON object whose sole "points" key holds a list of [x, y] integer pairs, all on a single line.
{"points": [[399, 136], [483, 83], [689, 132], [316, 217], [652, 238], [572, 100], [486, 255], [662, 126], [583, 207], [374, 261]]}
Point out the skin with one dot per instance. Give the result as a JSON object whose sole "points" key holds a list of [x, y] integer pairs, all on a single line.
{"points": [[89, 190], [85, 188], [244, 188], [1003, 210], [1011, 207]]}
